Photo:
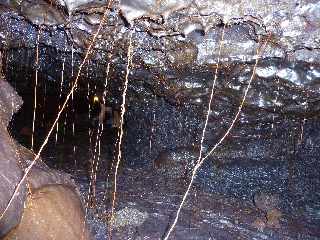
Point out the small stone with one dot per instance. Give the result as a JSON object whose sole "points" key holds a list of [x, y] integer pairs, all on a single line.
{"points": [[273, 217], [129, 217], [259, 224]]}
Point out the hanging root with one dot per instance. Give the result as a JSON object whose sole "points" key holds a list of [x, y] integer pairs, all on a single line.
{"points": [[27, 170], [35, 89], [202, 138], [201, 161], [123, 109], [96, 156]]}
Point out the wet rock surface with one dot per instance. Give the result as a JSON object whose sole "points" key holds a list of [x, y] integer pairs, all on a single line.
{"points": [[205, 215], [246, 196], [292, 28], [272, 148]]}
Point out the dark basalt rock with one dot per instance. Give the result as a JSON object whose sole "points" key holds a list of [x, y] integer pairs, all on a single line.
{"points": [[273, 146], [176, 163]]}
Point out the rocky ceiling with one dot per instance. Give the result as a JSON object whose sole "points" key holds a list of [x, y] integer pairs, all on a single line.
{"points": [[173, 36], [159, 25], [176, 48]]}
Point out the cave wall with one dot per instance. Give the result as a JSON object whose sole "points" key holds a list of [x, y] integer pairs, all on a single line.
{"points": [[175, 51]]}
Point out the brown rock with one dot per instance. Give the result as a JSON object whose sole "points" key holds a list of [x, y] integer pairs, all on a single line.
{"points": [[273, 217], [259, 224], [10, 171], [52, 212]]}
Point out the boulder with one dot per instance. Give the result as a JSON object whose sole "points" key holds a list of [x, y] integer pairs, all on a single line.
{"points": [[10, 171], [52, 212]]}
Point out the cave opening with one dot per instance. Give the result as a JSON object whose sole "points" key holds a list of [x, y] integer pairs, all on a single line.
{"points": [[73, 143]]}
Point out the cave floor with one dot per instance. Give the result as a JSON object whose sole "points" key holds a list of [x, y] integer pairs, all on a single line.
{"points": [[147, 202], [204, 216]]}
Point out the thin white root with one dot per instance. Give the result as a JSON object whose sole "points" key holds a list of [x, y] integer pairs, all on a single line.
{"points": [[123, 110], [200, 162], [35, 89], [194, 172], [74, 86]]}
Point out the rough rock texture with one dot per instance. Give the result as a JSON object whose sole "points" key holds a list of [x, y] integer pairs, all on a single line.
{"points": [[292, 25], [10, 171], [177, 163], [205, 215], [273, 146], [129, 217], [40, 174]]}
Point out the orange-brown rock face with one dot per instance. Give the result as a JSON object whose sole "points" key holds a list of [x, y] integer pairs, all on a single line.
{"points": [[52, 212]]}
